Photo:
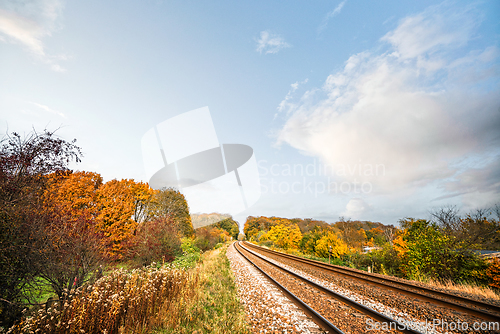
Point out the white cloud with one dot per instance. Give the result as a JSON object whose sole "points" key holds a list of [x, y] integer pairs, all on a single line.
{"points": [[28, 22], [270, 43], [286, 104], [331, 14], [428, 32], [44, 107], [418, 109], [356, 208]]}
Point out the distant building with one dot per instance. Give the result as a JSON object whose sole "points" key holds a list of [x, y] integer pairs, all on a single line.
{"points": [[487, 254], [368, 249]]}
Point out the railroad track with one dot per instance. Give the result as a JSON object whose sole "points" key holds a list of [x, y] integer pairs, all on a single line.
{"points": [[464, 305], [311, 291]]}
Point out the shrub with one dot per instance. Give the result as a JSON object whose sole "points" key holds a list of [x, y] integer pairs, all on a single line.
{"points": [[121, 302], [493, 272], [156, 240], [191, 254], [428, 253]]}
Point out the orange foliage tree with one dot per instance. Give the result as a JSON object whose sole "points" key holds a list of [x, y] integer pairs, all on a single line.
{"points": [[122, 206], [142, 195], [73, 194], [116, 209], [493, 272], [74, 246]]}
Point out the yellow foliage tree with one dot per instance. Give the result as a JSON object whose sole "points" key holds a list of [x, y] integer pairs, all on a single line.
{"points": [[400, 245], [331, 239], [284, 236]]}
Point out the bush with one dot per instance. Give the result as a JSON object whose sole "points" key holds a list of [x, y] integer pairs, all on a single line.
{"points": [[209, 236], [386, 261], [122, 302], [267, 243], [428, 253], [156, 241], [493, 272], [191, 254]]}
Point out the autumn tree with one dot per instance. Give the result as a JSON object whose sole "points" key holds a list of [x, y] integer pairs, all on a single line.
{"points": [[478, 229], [390, 233], [170, 202], [156, 240], [352, 233], [376, 236], [493, 272], [309, 239], [286, 236], [75, 247], [209, 236], [308, 224], [334, 241], [142, 194], [24, 162], [481, 230], [254, 225], [73, 194], [230, 226], [73, 252], [116, 209]]}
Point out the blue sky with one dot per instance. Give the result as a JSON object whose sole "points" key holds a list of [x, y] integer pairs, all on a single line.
{"points": [[400, 100]]}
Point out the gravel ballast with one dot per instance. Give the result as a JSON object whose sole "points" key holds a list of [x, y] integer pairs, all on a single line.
{"points": [[268, 310]]}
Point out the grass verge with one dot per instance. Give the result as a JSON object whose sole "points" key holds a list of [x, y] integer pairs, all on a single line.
{"points": [[196, 294], [212, 305]]}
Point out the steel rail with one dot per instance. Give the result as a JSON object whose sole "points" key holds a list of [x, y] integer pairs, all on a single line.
{"points": [[391, 323], [381, 282], [318, 318]]}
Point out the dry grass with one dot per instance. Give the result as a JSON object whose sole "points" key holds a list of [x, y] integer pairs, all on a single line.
{"points": [[213, 305], [469, 289], [121, 302], [165, 300]]}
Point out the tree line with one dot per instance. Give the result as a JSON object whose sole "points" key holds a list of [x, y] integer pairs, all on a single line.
{"points": [[58, 227], [442, 248]]}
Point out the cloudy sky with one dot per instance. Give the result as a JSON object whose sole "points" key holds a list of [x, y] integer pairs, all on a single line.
{"points": [[362, 109]]}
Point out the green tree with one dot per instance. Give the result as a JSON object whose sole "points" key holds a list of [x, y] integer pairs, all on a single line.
{"points": [[229, 225], [427, 252], [309, 239], [169, 202]]}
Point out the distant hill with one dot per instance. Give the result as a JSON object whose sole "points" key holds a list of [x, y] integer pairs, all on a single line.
{"points": [[204, 219]]}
